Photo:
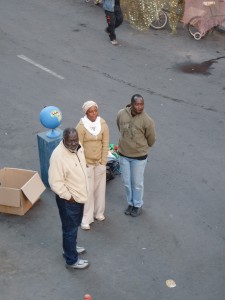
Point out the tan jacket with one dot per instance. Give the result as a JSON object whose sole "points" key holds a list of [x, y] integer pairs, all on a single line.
{"points": [[95, 147], [67, 174]]}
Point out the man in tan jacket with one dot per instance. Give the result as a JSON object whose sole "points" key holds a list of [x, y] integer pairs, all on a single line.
{"points": [[68, 179]]}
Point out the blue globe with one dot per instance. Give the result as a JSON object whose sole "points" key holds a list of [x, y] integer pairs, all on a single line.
{"points": [[51, 117]]}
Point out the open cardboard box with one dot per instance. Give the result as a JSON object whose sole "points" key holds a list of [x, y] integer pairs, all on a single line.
{"points": [[19, 190]]}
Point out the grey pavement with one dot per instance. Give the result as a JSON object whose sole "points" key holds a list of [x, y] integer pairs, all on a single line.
{"points": [[180, 234]]}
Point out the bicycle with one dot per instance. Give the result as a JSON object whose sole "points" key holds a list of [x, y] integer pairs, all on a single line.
{"points": [[162, 15], [212, 15], [160, 20]]}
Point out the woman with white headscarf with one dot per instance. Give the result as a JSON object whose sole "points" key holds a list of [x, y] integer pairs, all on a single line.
{"points": [[94, 136]]}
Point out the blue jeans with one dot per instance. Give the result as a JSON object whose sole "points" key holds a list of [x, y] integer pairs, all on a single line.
{"points": [[132, 171], [71, 214]]}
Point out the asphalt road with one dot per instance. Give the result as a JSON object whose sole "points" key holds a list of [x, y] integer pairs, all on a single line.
{"points": [[55, 52]]}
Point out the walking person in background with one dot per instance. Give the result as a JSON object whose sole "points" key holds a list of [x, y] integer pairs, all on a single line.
{"points": [[114, 18], [68, 179], [137, 134], [94, 136]]}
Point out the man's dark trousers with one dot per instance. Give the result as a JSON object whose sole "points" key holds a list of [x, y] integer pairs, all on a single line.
{"points": [[114, 20], [71, 214]]}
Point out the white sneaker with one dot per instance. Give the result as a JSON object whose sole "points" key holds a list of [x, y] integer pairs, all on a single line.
{"points": [[85, 226], [114, 42], [80, 250], [80, 264]]}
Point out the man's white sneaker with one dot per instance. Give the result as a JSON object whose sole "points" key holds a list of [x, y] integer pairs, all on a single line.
{"points": [[80, 264], [114, 42], [80, 250]]}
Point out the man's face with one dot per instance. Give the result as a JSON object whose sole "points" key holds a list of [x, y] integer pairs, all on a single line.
{"points": [[71, 142], [138, 106], [92, 113]]}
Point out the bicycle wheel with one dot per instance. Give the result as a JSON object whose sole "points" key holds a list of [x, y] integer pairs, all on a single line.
{"points": [[160, 20], [193, 30]]}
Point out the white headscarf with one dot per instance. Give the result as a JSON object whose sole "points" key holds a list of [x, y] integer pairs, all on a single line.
{"points": [[93, 127], [88, 104]]}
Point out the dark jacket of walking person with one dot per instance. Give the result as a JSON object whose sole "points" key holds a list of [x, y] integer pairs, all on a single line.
{"points": [[114, 18], [137, 134], [68, 180]]}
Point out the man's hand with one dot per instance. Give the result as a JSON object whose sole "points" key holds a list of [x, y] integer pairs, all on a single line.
{"points": [[71, 200]]}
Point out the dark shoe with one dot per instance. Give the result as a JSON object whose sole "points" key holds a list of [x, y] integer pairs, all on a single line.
{"points": [[136, 211], [128, 210]]}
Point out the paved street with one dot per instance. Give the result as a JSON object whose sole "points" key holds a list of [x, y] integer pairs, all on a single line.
{"points": [[55, 52]]}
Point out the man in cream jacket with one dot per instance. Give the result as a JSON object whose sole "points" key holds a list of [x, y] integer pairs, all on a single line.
{"points": [[68, 180]]}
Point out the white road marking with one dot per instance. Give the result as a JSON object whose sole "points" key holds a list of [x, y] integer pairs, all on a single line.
{"points": [[40, 66]]}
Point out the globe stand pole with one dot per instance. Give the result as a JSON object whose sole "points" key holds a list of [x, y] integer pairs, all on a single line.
{"points": [[46, 146], [53, 134]]}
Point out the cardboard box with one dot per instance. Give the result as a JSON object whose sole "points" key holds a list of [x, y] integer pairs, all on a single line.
{"points": [[19, 190]]}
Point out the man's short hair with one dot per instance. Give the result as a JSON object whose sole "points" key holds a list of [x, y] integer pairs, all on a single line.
{"points": [[133, 98], [68, 131]]}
